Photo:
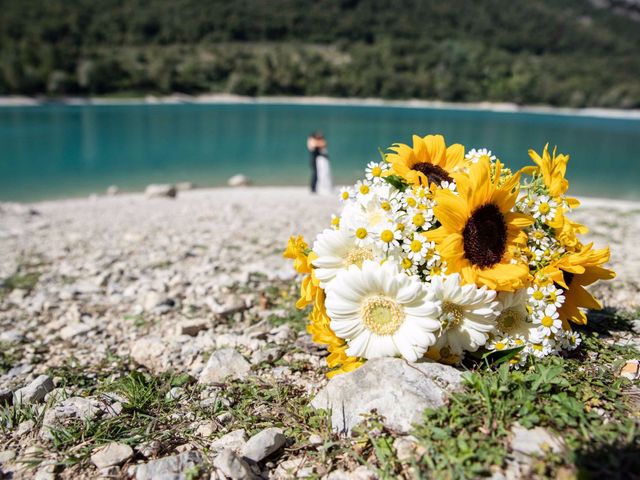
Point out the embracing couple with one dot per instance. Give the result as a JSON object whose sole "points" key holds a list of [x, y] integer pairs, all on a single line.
{"points": [[321, 182]]}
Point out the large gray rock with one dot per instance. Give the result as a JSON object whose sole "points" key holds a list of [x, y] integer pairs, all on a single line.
{"points": [[169, 468], [263, 444], [222, 364], [111, 454], [35, 391], [398, 390]]}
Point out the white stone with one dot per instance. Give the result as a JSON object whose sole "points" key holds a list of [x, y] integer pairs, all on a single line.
{"points": [[264, 444], [150, 352], [112, 190], [398, 390], [71, 409], [160, 190], [232, 466], [111, 454], [169, 468], [223, 364], [535, 441], [238, 180], [233, 440], [35, 391]]}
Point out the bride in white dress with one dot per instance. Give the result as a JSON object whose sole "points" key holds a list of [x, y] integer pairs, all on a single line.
{"points": [[325, 183], [322, 183]]}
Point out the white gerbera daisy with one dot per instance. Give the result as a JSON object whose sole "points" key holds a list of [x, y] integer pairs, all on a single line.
{"points": [[337, 250], [468, 313], [513, 320], [548, 321], [382, 312]]}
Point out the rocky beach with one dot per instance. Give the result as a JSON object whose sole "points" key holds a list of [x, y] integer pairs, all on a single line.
{"points": [[157, 338]]}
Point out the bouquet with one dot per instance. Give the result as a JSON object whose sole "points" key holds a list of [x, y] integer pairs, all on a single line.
{"points": [[437, 253]]}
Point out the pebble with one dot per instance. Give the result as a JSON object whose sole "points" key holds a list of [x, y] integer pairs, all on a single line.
{"points": [[631, 370], [160, 190], [111, 454], [535, 441], [264, 444], [192, 327], [234, 440], [169, 468], [225, 363], [35, 391], [231, 465]]}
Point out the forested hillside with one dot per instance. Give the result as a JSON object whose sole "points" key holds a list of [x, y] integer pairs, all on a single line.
{"points": [[570, 52]]}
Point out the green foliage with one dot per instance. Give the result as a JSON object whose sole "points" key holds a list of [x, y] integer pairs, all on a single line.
{"points": [[570, 53], [584, 401]]}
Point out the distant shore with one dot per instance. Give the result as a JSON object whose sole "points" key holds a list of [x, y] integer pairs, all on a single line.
{"points": [[177, 98]]}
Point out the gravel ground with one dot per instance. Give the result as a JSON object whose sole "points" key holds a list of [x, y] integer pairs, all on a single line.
{"points": [[194, 285]]}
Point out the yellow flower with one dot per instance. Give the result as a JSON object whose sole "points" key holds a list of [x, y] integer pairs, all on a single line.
{"points": [[428, 161], [552, 168], [319, 329], [572, 273], [479, 233], [297, 250]]}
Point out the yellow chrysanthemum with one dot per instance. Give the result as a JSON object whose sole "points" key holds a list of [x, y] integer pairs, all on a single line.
{"points": [[428, 161], [319, 329], [552, 168], [479, 232], [297, 250], [572, 273]]}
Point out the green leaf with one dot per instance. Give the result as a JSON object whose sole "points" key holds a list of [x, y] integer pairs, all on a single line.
{"points": [[396, 181], [502, 356]]}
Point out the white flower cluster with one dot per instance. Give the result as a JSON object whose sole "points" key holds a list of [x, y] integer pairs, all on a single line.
{"points": [[388, 292]]}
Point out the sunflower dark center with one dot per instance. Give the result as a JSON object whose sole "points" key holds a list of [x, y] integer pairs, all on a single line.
{"points": [[434, 173], [485, 236]]}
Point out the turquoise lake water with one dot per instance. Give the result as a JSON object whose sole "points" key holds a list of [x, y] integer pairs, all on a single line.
{"points": [[57, 151]]}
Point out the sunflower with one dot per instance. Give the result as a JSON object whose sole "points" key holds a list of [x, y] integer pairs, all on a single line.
{"points": [[572, 273], [479, 232], [428, 161]]}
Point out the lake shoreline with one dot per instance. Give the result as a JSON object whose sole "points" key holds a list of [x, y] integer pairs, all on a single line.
{"points": [[590, 202], [216, 99]]}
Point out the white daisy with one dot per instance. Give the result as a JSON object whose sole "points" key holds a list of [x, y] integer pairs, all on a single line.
{"points": [[545, 208], [337, 250], [553, 295], [382, 312], [416, 248], [345, 194], [536, 296], [363, 189], [373, 171], [548, 321], [475, 155], [389, 238], [468, 313]]}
